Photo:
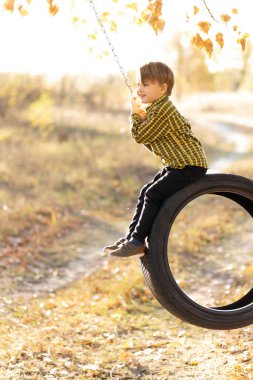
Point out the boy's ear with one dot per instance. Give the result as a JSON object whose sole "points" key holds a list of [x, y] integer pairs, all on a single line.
{"points": [[164, 87]]}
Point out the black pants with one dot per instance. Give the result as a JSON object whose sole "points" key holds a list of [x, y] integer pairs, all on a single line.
{"points": [[166, 182]]}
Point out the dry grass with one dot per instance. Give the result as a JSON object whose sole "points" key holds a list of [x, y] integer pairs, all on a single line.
{"points": [[106, 325], [68, 169]]}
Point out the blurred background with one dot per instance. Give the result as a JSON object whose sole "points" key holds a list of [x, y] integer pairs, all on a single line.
{"points": [[70, 171], [70, 176]]}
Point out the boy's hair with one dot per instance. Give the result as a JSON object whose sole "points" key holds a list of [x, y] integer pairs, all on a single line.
{"points": [[158, 71]]}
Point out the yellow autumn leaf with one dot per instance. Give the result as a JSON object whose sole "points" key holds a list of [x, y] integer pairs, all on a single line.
{"points": [[75, 19], [22, 11], [92, 36], [151, 18], [133, 6], [53, 8], [235, 27], [126, 357], [29, 1], [235, 11], [195, 10], [9, 5], [113, 27], [225, 18], [160, 24], [197, 41], [155, 27], [208, 45], [105, 16], [144, 15], [204, 26], [139, 21], [219, 38], [242, 41], [193, 362]]}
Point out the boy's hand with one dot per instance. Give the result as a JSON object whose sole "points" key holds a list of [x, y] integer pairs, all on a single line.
{"points": [[142, 114], [135, 105], [136, 108]]}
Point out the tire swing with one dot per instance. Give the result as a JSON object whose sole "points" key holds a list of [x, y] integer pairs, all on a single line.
{"points": [[155, 263]]}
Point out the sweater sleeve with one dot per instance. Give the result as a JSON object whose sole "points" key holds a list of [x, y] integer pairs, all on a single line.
{"points": [[155, 125], [149, 147]]}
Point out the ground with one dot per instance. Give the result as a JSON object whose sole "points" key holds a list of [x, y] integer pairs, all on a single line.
{"points": [[66, 312]]}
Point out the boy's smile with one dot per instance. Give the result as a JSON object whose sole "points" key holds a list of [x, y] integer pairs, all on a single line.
{"points": [[150, 91]]}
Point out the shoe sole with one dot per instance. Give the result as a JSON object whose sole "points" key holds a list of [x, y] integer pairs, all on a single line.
{"points": [[108, 250], [138, 255]]}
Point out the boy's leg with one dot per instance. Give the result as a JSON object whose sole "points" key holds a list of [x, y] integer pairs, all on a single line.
{"points": [[137, 213], [154, 197], [140, 202], [158, 192]]}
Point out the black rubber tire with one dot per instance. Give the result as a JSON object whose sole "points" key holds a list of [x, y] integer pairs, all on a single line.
{"points": [[155, 265]]}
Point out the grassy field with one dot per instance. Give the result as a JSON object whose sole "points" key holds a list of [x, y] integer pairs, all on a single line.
{"points": [[107, 324]]}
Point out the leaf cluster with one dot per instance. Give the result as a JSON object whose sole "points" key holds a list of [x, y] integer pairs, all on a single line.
{"points": [[152, 15], [198, 40]]}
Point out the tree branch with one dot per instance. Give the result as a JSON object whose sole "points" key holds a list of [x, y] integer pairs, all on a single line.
{"points": [[209, 11]]}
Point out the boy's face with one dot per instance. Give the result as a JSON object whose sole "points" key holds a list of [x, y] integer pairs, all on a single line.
{"points": [[150, 91]]}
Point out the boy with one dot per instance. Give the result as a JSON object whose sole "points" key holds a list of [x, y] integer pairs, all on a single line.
{"points": [[166, 133]]}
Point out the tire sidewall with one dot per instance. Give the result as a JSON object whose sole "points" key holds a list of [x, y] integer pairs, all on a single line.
{"points": [[185, 307]]}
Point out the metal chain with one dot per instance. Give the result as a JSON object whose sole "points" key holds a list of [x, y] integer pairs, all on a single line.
{"points": [[111, 46]]}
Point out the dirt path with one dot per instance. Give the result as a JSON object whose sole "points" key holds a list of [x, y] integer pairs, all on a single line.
{"points": [[68, 259]]}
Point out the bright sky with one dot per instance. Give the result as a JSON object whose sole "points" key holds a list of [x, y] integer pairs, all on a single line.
{"points": [[40, 43]]}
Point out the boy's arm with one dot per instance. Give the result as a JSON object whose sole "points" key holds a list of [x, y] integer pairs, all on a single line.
{"points": [[155, 125], [149, 147]]}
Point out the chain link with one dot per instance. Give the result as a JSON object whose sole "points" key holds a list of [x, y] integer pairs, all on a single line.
{"points": [[111, 46]]}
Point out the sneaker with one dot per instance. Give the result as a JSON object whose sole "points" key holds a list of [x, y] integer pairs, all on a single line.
{"points": [[116, 245], [127, 250]]}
